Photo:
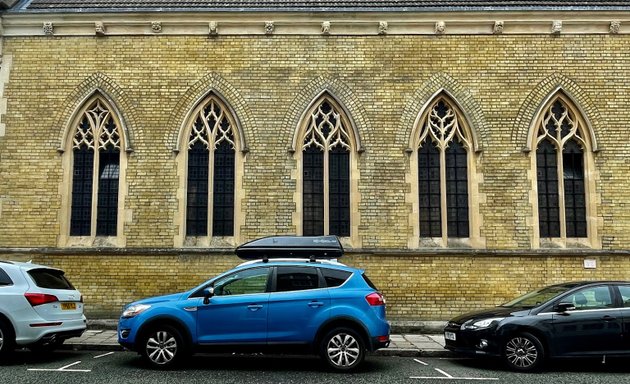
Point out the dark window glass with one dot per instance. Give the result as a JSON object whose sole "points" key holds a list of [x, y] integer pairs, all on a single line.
{"points": [[624, 291], [369, 282], [313, 194], [50, 279], [457, 190], [296, 279], [574, 193], [107, 208], [590, 298], [82, 173], [197, 191], [547, 176], [339, 191], [335, 278], [429, 190], [223, 193], [4, 278], [244, 282]]}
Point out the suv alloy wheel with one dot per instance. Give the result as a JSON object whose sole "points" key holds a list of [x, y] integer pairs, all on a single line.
{"points": [[343, 349], [162, 347], [523, 352]]}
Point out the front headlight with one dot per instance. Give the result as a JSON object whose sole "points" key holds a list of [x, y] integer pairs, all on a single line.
{"points": [[483, 323], [134, 310]]}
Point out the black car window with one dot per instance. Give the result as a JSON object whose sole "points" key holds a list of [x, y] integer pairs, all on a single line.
{"points": [[50, 279], [296, 279], [624, 290], [243, 282], [335, 277], [4, 278], [369, 282], [590, 298]]}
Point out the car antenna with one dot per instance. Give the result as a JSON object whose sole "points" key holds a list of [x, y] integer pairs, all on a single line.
{"points": [[312, 258], [265, 259]]}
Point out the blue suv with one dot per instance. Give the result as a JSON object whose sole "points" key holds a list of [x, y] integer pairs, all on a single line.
{"points": [[290, 297]]}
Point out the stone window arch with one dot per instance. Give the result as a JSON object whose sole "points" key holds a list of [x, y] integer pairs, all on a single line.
{"points": [[326, 152], [562, 160], [95, 165], [210, 164], [443, 173]]}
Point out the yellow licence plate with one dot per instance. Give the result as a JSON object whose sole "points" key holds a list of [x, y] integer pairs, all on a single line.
{"points": [[68, 306]]}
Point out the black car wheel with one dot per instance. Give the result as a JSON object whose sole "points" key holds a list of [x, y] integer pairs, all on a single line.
{"points": [[523, 352], [7, 338], [162, 347], [342, 349]]}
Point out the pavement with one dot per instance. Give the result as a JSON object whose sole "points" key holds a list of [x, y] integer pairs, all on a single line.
{"points": [[407, 345]]}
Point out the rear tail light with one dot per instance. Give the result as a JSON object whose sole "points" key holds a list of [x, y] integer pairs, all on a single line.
{"points": [[375, 299], [36, 299]]}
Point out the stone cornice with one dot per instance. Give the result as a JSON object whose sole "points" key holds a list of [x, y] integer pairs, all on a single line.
{"points": [[215, 24]]}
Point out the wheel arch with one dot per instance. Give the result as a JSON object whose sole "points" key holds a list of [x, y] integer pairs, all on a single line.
{"points": [[539, 334], [343, 322], [160, 321]]}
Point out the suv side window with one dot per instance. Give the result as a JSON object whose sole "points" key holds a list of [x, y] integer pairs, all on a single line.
{"points": [[296, 279], [4, 278], [624, 290], [591, 298], [334, 277], [244, 282]]}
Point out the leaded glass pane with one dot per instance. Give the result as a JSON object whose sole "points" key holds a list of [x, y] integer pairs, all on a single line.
{"points": [[339, 191], [574, 196], [197, 191], [82, 173], [108, 179], [429, 187], [457, 190], [313, 194], [223, 193], [547, 176]]}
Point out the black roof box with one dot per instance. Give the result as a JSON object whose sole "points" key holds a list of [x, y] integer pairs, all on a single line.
{"points": [[318, 247]]}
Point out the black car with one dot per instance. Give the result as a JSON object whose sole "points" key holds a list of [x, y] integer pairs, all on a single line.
{"points": [[580, 319]]}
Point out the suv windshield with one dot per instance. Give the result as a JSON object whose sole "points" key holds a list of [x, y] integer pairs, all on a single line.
{"points": [[536, 298]]}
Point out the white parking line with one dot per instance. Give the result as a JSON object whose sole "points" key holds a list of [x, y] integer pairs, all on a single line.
{"points": [[446, 376], [62, 369], [420, 361], [103, 355]]}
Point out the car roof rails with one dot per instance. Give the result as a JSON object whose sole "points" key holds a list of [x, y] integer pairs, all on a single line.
{"points": [[304, 247]]}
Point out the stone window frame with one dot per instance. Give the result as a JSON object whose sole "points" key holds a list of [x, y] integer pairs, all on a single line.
{"points": [[587, 139], [416, 240], [181, 240], [352, 241], [64, 238]]}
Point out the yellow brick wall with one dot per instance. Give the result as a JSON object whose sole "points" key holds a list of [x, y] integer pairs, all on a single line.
{"points": [[264, 76], [416, 287]]}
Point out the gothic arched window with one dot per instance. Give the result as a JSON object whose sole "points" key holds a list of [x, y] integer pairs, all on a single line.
{"points": [[560, 171], [96, 172], [211, 171], [443, 148], [326, 153]]}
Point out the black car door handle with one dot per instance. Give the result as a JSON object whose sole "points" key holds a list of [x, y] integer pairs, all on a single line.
{"points": [[609, 318]]}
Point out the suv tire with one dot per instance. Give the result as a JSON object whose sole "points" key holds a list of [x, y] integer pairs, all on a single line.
{"points": [[7, 338], [162, 347], [343, 349]]}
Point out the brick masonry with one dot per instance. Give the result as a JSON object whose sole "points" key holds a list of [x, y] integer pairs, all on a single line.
{"points": [[499, 81]]}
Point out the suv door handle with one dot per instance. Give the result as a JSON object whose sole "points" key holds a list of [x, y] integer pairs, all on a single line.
{"points": [[254, 307], [315, 304]]}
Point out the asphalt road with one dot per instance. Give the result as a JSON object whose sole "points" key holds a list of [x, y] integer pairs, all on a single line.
{"points": [[125, 367]]}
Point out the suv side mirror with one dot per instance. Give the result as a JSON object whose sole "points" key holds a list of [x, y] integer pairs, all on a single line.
{"points": [[563, 307], [207, 294]]}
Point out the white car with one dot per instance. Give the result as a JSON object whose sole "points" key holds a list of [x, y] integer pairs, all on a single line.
{"points": [[39, 307]]}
